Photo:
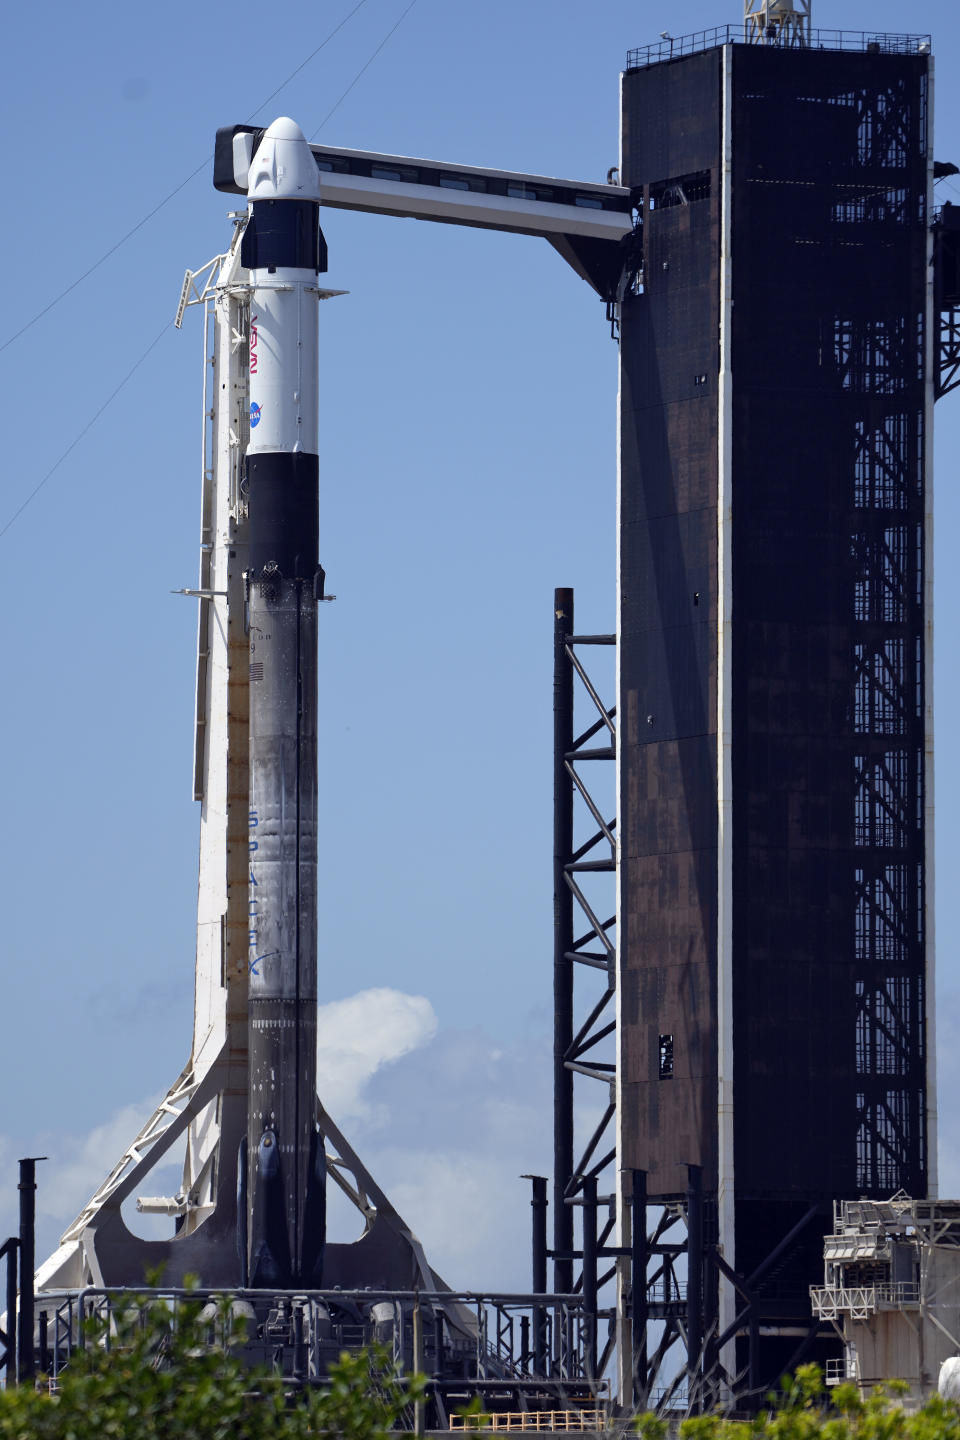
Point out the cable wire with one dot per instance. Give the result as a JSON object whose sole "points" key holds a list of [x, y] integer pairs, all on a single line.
{"points": [[116, 246], [89, 426], [334, 31], [177, 188], [104, 257], [363, 69]]}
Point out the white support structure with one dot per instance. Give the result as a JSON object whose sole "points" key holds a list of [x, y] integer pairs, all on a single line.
{"points": [[891, 1289], [220, 745], [472, 195], [780, 22]]}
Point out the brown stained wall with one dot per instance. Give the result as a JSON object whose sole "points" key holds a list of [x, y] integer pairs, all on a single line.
{"points": [[668, 580]]}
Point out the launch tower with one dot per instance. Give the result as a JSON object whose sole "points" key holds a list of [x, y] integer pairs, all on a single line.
{"points": [[774, 615]]}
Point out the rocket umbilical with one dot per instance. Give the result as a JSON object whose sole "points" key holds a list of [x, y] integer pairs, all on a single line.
{"points": [[283, 1173]]}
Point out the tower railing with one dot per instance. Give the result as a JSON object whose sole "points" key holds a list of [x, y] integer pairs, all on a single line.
{"points": [[672, 47], [465, 1336]]}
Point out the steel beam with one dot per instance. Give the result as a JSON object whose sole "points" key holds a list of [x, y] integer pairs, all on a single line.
{"points": [[26, 1357], [562, 941]]}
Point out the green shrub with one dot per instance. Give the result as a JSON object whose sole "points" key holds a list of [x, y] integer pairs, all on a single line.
{"points": [[806, 1410], [148, 1379]]}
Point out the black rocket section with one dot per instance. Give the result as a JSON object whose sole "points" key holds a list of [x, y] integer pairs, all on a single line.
{"points": [[284, 1169], [282, 1137]]}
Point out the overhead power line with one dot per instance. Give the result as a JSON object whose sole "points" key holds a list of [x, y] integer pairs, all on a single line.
{"points": [[204, 163], [335, 31], [363, 69], [89, 426], [140, 224]]}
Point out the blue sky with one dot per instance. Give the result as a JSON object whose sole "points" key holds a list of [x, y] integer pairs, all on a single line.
{"points": [[468, 467]]}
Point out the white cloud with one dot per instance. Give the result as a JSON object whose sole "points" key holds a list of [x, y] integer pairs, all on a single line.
{"points": [[467, 1120], [75, 1167], [447, 1122], [356, 1037], [469, 1209], [84, 1162]]}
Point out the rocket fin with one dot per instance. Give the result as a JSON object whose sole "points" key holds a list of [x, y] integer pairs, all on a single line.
{"points": [[269, 1244], [315, 1218]]}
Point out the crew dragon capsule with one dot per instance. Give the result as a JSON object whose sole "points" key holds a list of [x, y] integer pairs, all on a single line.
{"points": [[282, 1168]]}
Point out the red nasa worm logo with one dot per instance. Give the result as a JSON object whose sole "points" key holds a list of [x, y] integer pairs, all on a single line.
{"points": [[253, 344]]}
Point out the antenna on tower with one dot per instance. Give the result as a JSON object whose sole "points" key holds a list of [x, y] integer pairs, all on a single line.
{"points": [[776, 22]]}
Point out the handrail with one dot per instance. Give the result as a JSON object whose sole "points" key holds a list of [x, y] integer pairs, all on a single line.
{"points": [[673, 47]]}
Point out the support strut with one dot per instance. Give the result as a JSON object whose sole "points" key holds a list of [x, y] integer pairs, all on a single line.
{"points": [[563, 939]]}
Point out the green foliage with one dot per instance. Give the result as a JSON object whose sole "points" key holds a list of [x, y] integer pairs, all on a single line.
{"points": [[473, 1415], [365, 1398], [652, 1427], [145, 1379], [806, 1410]]}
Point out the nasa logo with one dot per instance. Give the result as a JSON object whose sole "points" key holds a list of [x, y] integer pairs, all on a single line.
{"points": [[254, 415], [253, 345]]}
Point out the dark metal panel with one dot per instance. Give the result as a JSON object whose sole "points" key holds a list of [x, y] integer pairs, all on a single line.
{"points": [[671, 119], [667, 640], [676, 347], [676, 444], [672, 810], [829, 250], [668, 976]]}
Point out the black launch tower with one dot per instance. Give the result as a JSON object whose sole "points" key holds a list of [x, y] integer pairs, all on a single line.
{"points": [[775, 916]]}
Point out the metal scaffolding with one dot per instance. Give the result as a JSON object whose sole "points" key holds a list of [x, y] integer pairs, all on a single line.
{"points": [[589, 957]]}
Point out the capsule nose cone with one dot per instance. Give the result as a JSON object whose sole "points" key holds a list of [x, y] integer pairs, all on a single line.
{"points": [[283, 167], [283, 128]]}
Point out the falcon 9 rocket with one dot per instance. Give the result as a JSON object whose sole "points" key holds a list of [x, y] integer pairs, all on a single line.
{"points": [[282, 1173]]}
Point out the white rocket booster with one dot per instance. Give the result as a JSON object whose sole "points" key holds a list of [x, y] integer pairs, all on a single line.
{"points": [[282, 1210]]}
